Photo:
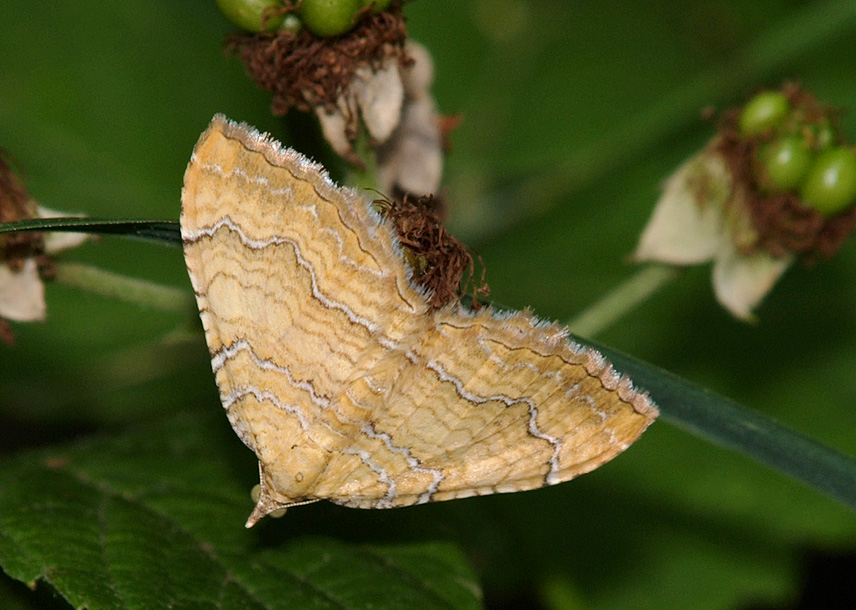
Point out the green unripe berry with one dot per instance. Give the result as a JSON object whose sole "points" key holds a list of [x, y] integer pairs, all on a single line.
{"points": [[785, 162], [247, 14], [830, 185], [329, 17], [764, 111]]}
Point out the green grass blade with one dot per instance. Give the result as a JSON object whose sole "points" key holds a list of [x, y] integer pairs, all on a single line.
{"points": [[724, 422], [159, 231]]}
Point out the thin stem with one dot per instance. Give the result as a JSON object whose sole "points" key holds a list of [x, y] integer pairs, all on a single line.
{"points": [[131, 290], [622, 299], [367, 177]]}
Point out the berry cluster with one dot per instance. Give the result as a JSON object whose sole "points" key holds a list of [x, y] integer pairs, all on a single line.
{"points": [[321, 17], [799, 152]]}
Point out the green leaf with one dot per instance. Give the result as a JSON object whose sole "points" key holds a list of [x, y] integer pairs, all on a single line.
{"points": [[154, 518]]}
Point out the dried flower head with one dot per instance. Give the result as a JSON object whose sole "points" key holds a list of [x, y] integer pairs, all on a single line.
{"points": [[24, 256], [330, 75], [369, 80], [747, 201], [438, 260]]}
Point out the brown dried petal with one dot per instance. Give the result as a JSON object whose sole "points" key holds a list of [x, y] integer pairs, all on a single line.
{"points": [[15, 204], [438, 260]]}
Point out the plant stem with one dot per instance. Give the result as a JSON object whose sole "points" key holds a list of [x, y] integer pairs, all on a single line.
{"points": [[365, 178], [131, 290], [622, 299]]}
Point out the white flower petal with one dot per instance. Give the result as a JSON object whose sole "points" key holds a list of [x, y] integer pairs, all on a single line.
{"points": [[688, 224], [741, 281], [59, 241], [412, 160], [379, 95], [22, 294], [418, 76], [333, 126]]}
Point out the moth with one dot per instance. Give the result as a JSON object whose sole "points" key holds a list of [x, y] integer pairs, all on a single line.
{"points": [[333, 368]]}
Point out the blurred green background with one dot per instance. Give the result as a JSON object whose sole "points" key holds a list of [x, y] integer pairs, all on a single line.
{"points": [[572, 116]]}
